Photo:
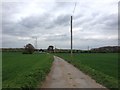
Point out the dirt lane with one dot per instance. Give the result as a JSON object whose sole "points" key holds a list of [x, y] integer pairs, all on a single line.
{"points": [[65, 75]]}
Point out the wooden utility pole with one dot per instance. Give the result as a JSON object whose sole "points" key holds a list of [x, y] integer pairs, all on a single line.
{"points": [[71, 37]]}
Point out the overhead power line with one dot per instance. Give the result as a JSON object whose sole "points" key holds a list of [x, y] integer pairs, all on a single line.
{"points": [[74, 8]]}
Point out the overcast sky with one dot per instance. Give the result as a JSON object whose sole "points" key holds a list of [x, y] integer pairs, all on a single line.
{"points": [[94, 23]]}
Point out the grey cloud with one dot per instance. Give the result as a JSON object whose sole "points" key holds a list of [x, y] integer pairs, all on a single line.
{"points": [[97, 20], [79, 16], [107, 20], [32, 22], [64, 5], [15, 29], [59, 37], [62, 20], [9, 27], [100, 22], [29, 24], [83, 20], [11, 8], [110, 23], [36, 21], [12, 41], [56, 20], [45, 21]]}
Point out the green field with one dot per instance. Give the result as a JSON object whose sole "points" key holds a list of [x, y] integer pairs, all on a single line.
{"points": [[29, 70], [103, 67], [24, 70]]}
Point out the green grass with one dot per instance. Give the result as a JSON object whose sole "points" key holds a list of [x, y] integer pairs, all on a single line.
{"points": [[24, 70], [103, 67], [0, 70]]}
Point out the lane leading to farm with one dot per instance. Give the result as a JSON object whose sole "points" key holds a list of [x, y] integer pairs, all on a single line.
{"points": [[65, 75]]}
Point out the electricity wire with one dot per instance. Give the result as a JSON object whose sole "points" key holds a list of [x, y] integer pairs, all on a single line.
{"points": [[74, 8]]}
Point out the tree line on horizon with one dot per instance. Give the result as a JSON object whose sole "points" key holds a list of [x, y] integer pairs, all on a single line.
{"points": [[29, 49]]}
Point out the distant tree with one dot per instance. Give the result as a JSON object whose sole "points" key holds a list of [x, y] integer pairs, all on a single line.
{"points": [[29, 49], [50, 49], [41, 50]]}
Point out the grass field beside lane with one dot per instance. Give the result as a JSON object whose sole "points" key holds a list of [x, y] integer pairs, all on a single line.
{"points": [[101, 66], [24, 70]]}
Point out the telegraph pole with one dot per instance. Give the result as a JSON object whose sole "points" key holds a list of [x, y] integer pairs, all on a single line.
{"points": [[71, 33], [36, 42], [88, 49], [71, 38]]}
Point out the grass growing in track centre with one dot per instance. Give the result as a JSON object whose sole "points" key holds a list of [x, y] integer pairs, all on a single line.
{"points": [[103, 67], [24, 70]]}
